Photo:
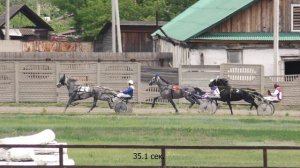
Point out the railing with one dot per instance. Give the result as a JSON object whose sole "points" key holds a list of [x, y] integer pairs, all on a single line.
{"points": [[285, 78], [162, 148]]}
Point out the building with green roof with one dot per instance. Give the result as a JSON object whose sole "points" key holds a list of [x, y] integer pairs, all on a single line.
{"points": [[213, 32]]}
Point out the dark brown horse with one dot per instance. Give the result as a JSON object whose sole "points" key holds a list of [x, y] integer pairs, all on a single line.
{"points": [[170, 92]]}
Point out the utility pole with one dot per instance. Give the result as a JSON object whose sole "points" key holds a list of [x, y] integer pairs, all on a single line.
{"points": [[7, 20], [276, 38], [113, 25], [38, 7], [118, 28]]}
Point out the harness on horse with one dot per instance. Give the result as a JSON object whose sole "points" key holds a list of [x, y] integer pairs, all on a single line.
{"points": [[83, 89]]}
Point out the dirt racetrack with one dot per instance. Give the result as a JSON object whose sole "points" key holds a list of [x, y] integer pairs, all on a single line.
{"points": [[138, 109]]}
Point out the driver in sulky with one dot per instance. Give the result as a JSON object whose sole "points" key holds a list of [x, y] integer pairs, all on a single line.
{"points": [[128, 93], [276, 96]]}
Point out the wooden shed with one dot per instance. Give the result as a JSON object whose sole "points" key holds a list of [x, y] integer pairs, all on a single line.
{"points": [[136, 36]]}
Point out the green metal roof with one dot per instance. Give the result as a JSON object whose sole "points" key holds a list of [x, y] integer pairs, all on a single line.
{"points": [[232, 36], [201, 16]]}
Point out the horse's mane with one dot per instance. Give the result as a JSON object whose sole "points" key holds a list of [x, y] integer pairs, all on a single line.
{"points": [[223, 81], [219, 82], [164, 80], [72, 79]]}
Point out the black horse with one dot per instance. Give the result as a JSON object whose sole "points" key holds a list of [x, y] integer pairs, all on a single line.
{"points": [[228, 94], [170, 92], [79, 92]]}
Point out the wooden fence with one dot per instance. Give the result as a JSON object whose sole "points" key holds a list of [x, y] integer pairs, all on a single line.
{"points": [[163, 156]]}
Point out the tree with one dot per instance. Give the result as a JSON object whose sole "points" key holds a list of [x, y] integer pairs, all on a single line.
{"points": [[89, 16]]}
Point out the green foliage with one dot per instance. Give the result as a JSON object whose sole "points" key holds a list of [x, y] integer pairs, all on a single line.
{"points": [[2, 8], [90, 16], [20, 21]]}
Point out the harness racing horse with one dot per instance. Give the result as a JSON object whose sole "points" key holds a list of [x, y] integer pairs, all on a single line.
{"points": [[79, 92], [170, 92], [228, 94]]}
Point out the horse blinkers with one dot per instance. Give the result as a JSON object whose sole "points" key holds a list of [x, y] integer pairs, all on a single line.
{"points": [[153, 80], [62, 81]]}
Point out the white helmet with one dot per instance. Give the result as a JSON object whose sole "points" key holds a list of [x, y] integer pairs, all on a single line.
{"points": [[130, 82]]}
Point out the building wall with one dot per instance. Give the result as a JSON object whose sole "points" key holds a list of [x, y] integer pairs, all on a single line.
{"points": [[250, 56], [258, 18], [11, 46]]}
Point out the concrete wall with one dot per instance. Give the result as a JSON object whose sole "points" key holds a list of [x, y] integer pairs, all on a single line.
{"points": [[10, 46]]}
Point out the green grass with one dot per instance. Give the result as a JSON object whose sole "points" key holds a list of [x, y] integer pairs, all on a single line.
{"points": [[164, 129]]}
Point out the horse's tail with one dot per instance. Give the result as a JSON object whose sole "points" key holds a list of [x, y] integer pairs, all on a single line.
{"points": [[255, 96]]}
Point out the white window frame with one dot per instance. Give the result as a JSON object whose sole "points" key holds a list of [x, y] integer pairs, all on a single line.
{"points": [[235, 50], [292, 17]]}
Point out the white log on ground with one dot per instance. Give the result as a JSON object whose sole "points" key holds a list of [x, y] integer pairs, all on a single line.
{"points": [[43, 137], [33, 156], [51, 150], [53, 160], [30, 163], [67, 162], [19, 154], [3, 153]]}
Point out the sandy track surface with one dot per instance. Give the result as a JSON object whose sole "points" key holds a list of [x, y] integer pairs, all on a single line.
{"points": [[137, 110]]}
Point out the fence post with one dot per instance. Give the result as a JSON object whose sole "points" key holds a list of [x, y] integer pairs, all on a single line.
{"points": [[61, 159], [265, 157], [163, 157], [139, 82], [57, 79], [180, 75], [98, 74], [262, 79], [17, 94]]}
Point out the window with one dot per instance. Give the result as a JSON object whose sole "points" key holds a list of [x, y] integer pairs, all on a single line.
{"points": [[234, 56], [295, 16]]}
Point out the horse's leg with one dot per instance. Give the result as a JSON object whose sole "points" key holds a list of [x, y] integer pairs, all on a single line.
{"points": [[229, 104], [191, 105], [154, 100], [74, 104], [191, 101], [109, 101], [71, 99], [173, 104], [216, 102], [94, 103]]}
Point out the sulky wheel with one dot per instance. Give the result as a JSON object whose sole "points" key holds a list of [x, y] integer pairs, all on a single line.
{"points": [[265, 108], [121, 107], [207, 106]]}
